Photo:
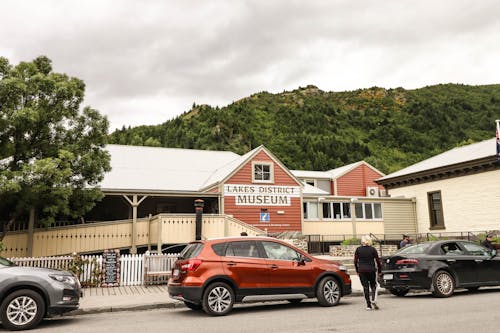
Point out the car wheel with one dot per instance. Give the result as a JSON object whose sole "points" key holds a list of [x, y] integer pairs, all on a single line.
{"points": [[443, 284], [22, 310], [328, 292], [400, 292], [218, 299], [193, 306]]}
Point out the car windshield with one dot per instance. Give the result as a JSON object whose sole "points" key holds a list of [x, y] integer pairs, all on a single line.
{"points": [[415, 249], [6, 262]]}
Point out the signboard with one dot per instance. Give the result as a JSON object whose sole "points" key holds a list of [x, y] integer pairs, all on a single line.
{"points": [[265, 217], [111, 268], [262, 195]]}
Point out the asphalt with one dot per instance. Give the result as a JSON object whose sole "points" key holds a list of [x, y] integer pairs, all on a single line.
{"points": [[133, 298]]}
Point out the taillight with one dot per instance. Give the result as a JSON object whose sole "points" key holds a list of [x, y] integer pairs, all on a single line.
{"points": [[191, 265], [407, 262]]}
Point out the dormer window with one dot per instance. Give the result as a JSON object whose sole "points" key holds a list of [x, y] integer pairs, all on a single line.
{"points": [[262, 172]]}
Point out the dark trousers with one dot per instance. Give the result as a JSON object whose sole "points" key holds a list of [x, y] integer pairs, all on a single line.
{"points": [[368, 281]]}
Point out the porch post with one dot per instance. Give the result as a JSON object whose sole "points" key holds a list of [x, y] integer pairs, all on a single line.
{"points": [[31, 227], [134, 203], [353, 217]]}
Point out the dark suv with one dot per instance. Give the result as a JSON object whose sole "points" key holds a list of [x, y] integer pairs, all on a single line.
{"points": [[28, 294], [214, 274]]}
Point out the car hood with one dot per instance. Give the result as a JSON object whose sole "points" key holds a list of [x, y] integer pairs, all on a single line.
{"points": [[35, 270]]}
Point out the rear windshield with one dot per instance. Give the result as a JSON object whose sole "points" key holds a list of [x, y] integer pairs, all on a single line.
{"points": [[191, 250], [415, 249], [5, 262]]}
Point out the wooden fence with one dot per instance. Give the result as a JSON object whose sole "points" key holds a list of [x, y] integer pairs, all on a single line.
{"points": [[90, 266]]}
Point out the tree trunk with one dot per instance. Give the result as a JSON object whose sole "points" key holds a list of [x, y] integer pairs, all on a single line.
{"points": [[6, 228]]}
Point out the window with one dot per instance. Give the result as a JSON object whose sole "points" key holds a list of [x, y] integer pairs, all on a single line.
{"points": [[311, 182], [280, 251], [475, 249], [242, 249], [336, 210], [310, 210], [368, 210], [435, 210], [263, 172]]}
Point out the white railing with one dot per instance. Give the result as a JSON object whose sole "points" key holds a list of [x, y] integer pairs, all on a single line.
{"points": [[131, 266]]}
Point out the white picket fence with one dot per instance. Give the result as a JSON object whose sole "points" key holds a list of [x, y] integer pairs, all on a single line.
{"points": [[131, 265]]}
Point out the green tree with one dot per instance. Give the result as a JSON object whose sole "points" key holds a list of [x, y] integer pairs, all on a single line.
{"points": [[52, 153]]}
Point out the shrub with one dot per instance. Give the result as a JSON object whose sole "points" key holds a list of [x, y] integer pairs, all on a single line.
{"points": [[352, 241]]}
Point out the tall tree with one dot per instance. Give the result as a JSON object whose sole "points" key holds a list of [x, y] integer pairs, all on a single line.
{"points": [[52, 153]]}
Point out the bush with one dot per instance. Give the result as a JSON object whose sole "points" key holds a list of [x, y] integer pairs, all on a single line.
{"points": [[1, 247], [352, 241]]}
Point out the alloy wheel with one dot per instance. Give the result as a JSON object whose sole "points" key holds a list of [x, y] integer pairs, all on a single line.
{"points": [[21, 310], [219, 299]]}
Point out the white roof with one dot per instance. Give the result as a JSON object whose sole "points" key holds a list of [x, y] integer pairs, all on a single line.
{"points": [[336, 173], [454, 156], [311, 174], [141, 168], [309, 189]]}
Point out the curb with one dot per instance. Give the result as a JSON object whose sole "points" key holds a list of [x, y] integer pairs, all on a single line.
{"points": [[161, 305]]}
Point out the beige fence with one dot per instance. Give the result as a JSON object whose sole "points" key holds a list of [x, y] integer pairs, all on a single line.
{"points": [[94, 237]]}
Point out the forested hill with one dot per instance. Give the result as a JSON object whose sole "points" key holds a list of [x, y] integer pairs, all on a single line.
{"points": [[311, 129]]}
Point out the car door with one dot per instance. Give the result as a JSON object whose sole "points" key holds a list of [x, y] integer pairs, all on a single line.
{"points": [[243, 263], [486, 268], [460, 262], [287, 274]]}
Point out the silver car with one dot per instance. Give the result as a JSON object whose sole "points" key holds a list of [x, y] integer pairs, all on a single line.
{"points": [[29, 294]]}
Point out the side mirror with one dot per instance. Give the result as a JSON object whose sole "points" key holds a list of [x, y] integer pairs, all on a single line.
{"points": [[302, 261]]}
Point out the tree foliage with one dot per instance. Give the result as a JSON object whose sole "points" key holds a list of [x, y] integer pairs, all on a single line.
{"points": [[315, 130], [51, 151]]}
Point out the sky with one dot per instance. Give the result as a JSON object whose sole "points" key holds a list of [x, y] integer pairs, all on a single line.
{"points": [[147, 61]]}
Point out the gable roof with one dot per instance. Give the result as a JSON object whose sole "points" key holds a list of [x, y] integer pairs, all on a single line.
{"points": [[155, 169], [477, 153], [229, 170], [311, 174]]}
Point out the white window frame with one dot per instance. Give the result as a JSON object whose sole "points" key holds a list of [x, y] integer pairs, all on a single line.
{"points": [[371, 206], [271, 172], [342, 214], [309, 181], [307, 214]]}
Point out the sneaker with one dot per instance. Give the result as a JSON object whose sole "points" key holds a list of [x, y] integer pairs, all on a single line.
{"points": [[368, 308], [375, 306]]}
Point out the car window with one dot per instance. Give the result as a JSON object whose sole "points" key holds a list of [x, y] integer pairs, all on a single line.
{"points": [[476, 249], [191, 250], [415, 249], [6, 262], [451, 249], [242, 249], [279, 251]]}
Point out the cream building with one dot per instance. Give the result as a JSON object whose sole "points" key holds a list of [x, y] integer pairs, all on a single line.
{"points": [[456, 191]]}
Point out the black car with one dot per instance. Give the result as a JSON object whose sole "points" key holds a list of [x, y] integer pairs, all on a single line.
{"points": [[441, 267]]}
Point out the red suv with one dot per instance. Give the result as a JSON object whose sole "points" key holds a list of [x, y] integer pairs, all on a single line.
{"points": [[214, 274]]}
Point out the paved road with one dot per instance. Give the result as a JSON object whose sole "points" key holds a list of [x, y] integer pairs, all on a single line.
{"points": [[464, 312]]}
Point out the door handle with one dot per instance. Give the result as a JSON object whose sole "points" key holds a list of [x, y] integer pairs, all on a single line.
{"points": [[231, 263], [274, 266], [451, 260], [478, 260]]}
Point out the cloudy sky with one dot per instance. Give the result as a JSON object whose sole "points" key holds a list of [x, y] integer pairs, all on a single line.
{"points": [[145, 62]]}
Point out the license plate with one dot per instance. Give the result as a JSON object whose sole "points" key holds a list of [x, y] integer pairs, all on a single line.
{"points": [[176, 272], [387, 277]]}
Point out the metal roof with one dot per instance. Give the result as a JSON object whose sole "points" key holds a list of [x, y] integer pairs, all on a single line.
{"points": [[311, 174], [140, 168], [454, 156]]}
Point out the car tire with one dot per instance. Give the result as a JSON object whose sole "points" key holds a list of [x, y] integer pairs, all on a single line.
{"points": [[328, 292], [218, 299], [22, 310], [400, 292], [443, 284], [193, 306]]}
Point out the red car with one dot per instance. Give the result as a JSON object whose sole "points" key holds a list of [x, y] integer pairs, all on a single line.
{"points": [[214, 274]]}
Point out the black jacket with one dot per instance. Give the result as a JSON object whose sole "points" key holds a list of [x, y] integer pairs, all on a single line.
{"points": [[365, 259]]}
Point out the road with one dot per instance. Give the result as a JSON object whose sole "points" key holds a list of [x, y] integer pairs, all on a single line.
{"points": [[464, 312]]}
